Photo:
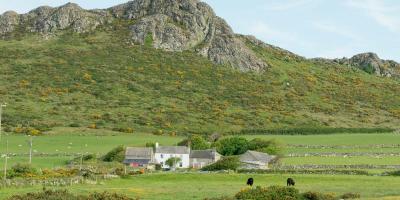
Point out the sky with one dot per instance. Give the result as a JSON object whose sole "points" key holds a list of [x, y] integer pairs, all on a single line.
{"points": [[310, 28]]}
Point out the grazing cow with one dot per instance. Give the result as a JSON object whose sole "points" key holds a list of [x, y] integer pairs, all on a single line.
{"points": [[290, 182], [250, 181]]}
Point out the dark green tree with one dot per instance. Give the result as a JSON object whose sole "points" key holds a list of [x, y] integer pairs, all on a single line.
{"points": [[115, 155], [232, 146], [196, 142]]}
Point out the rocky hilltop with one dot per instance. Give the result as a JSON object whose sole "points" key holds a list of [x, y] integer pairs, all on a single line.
{"points": [[371, 63], [172, 25]]}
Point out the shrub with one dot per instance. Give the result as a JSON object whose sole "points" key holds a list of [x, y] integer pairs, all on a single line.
{"points": [[273, 147], [89, 157], [304, 171], [317, 196], [393, 173], [106, 196], [232, 146], [350, 196], [226, 163], [57, 173], [171, 162], [151, 144], [158, 132], [74, 125], [115, 155], [311, 131], [123, 130], [65, 195], [196, 142], [270, 193], [220, 198], [22, 170]]}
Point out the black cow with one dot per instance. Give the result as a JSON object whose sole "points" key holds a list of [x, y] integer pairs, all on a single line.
{"points": [[290, 182], [250, 181]]}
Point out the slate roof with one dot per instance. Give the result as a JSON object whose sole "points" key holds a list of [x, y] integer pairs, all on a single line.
{"points": [[203, 154], [173, 150], [137, 153], [254, 156]]}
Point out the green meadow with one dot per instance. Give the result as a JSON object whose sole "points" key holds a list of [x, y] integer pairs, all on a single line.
{"points": [[196, 186], [62, 144]]}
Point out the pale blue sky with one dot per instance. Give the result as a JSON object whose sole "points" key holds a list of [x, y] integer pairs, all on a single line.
{"points": [[311, 28]]}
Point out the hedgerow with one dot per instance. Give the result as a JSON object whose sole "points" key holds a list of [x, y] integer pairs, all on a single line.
{"points": [[65, 195]]}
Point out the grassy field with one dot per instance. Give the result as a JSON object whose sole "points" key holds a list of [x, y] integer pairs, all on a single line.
{"points": [[66, 141], [78, 140], [62, 142], [356, 160], [335, 139], [183, 186]]}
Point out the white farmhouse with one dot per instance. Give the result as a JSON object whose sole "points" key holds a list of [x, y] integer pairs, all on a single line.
{"points": [[163, 153]]}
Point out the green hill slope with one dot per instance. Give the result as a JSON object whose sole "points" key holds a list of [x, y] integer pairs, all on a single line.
{"points": [[98, 79]]}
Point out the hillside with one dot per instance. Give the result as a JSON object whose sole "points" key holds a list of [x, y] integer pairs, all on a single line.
{"points": [[128, 70]]}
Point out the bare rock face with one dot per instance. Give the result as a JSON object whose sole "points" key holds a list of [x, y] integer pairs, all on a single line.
{"points": [[178, 25], [172, 25], [8, 21], [371, 63], [47, 19]]}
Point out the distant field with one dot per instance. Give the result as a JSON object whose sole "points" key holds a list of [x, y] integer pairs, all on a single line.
{"points": [[375, 149], [199, 186], [335, 139], [81, 141], [356, 160], [67, 141]]}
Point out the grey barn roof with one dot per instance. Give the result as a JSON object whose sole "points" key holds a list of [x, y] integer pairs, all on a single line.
{"points": [[134, 153], [173, 150], [253, 156], [203, 154]]}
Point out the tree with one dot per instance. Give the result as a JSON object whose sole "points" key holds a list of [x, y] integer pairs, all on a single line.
{"points": [[152, 145], [232, 146], [115, 155], [171, 162], [196, 142], [273, 147], [226, 163]]}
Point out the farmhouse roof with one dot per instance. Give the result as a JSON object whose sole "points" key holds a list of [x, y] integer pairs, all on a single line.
{"points": [[137, 153], [254, 156], [204, 154], [173, 150]]}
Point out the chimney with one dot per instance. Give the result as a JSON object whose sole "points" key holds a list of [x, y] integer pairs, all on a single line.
{"points": [[156, 145]]}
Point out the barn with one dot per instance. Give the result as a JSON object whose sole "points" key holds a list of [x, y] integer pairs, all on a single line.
{"points": [[201, 158], [139, 157], [255, 160]]}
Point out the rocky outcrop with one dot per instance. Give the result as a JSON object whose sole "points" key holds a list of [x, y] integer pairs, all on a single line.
{"points": [[8, 22], [371, 63], [46, 19], [283, 53], [178, 25], [172, 25]]}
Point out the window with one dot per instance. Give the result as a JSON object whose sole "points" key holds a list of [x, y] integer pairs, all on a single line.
{"points": [[180, 164], [162, 156]]}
